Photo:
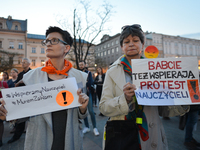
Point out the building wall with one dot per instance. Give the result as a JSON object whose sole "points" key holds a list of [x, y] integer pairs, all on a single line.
{"points": [[107, 51], [36, 53]]}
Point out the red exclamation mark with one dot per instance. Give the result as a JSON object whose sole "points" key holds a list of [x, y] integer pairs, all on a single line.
{"points": [[193, 88], [64, 97]]}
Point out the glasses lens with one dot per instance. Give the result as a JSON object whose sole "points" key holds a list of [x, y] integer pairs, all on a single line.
{"points": [[54, 41], [43, 42]]}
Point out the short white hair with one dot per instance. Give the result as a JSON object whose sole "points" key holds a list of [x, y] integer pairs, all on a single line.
{"points": [[28, 60]]}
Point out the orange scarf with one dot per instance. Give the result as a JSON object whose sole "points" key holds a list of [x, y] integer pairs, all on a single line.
{"points": [[50, 69]]}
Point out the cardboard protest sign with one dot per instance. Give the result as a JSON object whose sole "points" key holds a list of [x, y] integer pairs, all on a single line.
{"points": [[40, 98], [166, 81]]}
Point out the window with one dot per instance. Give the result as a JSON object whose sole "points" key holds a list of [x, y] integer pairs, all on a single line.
{"points": [[108, 52], [108, 45], [117, 49], [16, 27], [176, 51], [116, 41], [112, 43], [20, 46], [33, 50], [104, 53], [42, 62], [0, 44], [104, 46], [11, 45], [98, 54], [42, 51], [113, 50], [1, 25], [33, 62], [101, 54]]}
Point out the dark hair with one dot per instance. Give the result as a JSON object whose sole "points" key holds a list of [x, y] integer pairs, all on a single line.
{"points": [[101, 70], [6, 74], [65, 35], [82, 61], [131, 31]]}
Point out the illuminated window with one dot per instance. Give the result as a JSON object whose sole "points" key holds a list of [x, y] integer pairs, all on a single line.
{"points": [[42, 62], [33, 62]]}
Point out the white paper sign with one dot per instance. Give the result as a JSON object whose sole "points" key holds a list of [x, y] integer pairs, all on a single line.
{"points": [[166, 81], [40, 98]]}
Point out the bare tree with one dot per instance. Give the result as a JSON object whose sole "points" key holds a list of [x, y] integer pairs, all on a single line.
{"points": [[86, 29], [7, 60]]}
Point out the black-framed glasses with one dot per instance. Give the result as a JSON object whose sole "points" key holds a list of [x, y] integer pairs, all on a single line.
{"points": [[53, 41], [136, 26]]}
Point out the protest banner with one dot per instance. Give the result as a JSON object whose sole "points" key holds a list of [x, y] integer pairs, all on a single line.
{"points": [[40, 98], [166, 81]]}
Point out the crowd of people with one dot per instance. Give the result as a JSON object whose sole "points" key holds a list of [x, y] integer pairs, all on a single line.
{"points": [[116, 99]]}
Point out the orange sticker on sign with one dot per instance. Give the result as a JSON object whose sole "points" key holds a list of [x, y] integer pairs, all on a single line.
{"points": [[193, 88], [64, 98]]}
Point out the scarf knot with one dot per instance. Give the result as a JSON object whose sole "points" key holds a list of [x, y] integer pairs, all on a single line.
{"points": [[50, 69]]}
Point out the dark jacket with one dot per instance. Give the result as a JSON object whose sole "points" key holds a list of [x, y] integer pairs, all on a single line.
{"points": [[90, 81], [97, 82]]}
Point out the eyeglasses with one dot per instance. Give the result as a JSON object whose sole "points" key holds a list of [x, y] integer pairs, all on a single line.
{"points": [[136, 26], [53, 41]]}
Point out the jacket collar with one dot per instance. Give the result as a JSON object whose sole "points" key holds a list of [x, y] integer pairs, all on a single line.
{"points": [[118, 74]]}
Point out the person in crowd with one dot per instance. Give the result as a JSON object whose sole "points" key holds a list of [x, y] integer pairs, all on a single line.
{"points": [[60, 130], [90, 82], [11, 83], [20, 125], [14, 75], [5, 76], [118, 99], [99, 83], [3, 85], [192, 119], [93, 92]]}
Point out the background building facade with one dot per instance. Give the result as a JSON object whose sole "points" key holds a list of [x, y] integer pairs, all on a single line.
{"points": [[108, 50], [14, 38]]}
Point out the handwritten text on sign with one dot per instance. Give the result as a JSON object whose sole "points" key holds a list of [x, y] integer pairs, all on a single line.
{"points": [[166, 81], [40, 98]]}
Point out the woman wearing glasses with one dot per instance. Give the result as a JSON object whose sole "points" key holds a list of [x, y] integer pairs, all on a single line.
{"points": [[60, 130], [118, 102]]}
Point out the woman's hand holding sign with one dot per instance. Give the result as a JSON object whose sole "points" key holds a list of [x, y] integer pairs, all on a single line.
{"points": [[3, 111], [83, 99], [129, 91]]}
